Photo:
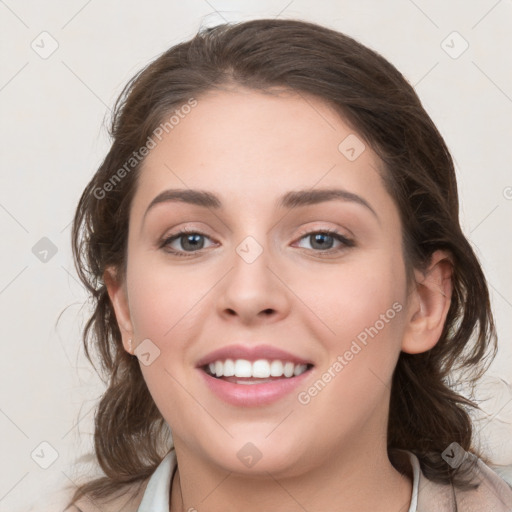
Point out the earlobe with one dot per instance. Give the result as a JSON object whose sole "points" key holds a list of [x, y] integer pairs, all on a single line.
{"points": [[118, 297], [429, 304]]}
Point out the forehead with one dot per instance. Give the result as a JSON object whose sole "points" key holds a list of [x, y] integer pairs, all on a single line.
{"points": [[249, 147]]}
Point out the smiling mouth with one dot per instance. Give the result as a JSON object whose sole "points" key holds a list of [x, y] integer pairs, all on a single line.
{"points": [[261, 371]]}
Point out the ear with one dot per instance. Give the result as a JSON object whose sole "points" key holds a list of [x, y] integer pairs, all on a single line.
{"points": [[428, 304], [119, 298]]}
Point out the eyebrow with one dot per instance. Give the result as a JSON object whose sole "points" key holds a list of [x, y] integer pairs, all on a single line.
{"points": [[292, 199]]}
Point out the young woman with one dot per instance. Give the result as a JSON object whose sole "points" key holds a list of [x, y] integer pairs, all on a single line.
{"points": [[283, 293]]}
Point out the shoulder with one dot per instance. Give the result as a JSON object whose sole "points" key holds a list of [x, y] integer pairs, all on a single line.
{"points": [[127, 501], [491, 493]]}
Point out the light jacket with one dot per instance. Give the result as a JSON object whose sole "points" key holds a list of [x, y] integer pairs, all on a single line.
{"points": [[492, 495]]}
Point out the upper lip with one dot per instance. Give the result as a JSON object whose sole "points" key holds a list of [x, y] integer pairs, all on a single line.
{"points": [[250, 353]]}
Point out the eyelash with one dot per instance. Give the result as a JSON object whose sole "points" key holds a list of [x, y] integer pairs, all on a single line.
{"points": [[346, 242]]}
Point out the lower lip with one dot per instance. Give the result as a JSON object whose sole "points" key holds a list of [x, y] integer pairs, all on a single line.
{"points": [[249, 395]]}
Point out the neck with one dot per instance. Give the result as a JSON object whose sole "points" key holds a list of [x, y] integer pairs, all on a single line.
{"points": [[363, 479]]}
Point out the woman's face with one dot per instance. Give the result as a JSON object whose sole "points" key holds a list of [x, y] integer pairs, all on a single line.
{"points": [[261, 273]]}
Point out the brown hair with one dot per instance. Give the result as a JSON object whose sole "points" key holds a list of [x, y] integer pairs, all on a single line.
{"points": [[426, 413]]}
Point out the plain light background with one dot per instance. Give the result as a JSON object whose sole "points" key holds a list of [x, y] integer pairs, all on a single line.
{"points": [[52, 110]]}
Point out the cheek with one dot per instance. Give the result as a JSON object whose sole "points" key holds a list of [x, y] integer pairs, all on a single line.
{"points": [[164, 305], [163, 299], [362, 345], [359, 317], [357, 295]]}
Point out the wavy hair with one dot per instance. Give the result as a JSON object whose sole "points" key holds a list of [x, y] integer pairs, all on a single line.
{"points": [[426, 413]]}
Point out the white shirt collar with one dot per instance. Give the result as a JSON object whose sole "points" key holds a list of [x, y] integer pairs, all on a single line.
{"points": [[415, 463], [156, 495]]}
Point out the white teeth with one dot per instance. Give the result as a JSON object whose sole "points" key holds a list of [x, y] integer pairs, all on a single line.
{"points": [[299, 368], [288, 369], [250, 382], [243, 368], [229, 368], [260, 369], [276, 368]]}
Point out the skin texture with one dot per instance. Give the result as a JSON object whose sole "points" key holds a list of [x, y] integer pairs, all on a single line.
{"points": [[249, 148]]}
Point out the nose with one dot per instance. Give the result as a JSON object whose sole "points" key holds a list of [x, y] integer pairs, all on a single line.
{"points": [[253, 291]]}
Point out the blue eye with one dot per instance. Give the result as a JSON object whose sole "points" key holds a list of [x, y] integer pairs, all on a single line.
{"points": [[192, 241], [326, 237]]}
